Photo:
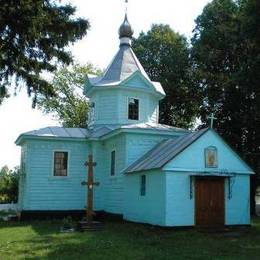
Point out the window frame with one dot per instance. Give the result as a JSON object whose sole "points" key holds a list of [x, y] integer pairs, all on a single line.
{"points": [[212, 148], [53, 163], [110, 174], [143, 185], [92, 113], [128, 102]]}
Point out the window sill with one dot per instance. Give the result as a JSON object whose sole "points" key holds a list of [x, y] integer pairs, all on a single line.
{"points": [[55, 178], [133, 120]]}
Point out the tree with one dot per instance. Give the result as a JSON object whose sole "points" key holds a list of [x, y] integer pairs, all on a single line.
{"points": [[165, 57], [33, 37], [9, 180], [226, 55], [69, 105]]}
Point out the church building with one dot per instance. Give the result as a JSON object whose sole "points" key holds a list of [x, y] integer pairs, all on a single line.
{"points": [[147, 172]]}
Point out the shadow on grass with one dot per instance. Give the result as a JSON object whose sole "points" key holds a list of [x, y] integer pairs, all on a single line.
{"points": [[124, 240]]}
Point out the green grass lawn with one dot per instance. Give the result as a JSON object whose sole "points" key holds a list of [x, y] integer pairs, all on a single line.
{"points": [[120, 240]]}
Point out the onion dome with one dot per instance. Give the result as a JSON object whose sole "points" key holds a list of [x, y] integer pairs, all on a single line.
{"points": [[125, 30]]}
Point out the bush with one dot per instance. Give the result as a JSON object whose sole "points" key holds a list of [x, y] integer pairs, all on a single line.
{"points": [[9, 181]]}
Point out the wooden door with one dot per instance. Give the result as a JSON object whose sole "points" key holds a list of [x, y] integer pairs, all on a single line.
{"points": [[209, 201]]}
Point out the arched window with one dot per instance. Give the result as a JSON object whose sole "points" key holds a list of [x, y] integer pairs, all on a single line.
{"points": [[211, 157]]}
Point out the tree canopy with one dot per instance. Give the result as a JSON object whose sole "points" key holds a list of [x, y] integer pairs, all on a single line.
{"points": [[165, 57], [69, 105], [33, 39], [226, 55]]}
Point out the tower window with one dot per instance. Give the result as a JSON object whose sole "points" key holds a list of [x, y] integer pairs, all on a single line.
{"points": [[133, 109], [143, 185], [91, 113], [113, 163], [60, 164]]}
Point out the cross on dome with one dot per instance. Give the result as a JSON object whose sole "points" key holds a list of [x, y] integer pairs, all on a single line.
{"points": [[125, 30]]}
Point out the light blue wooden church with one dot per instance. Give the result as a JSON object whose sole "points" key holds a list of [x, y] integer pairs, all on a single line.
{"points": [[148, 172]]}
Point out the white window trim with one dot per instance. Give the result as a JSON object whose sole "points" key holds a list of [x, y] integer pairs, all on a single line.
{"points": [[127, 108], [68, 164]]}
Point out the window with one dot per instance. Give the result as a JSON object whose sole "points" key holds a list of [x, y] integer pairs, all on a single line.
{"points": [[133, 109], [60, 163], [91, 113], [143, 185], [113, 163]]}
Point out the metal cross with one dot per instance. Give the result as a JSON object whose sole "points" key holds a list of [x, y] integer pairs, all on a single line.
{"points": [[211, 117], [90, 183], [126, 2]]}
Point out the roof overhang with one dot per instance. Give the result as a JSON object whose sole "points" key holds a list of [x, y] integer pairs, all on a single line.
{"points": [[23, 138], [93, 84], [138, 131]]}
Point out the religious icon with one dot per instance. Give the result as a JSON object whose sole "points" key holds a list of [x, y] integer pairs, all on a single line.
{"points": [[211, 157]]}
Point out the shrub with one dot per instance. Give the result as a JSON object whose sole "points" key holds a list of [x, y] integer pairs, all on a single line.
{"points": [[9, 180]]}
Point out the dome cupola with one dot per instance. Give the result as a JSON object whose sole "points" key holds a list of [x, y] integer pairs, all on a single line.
{"points": [[125, 30]]}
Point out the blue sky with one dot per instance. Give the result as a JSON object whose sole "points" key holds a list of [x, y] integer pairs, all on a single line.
{"points": [[98, 47]]}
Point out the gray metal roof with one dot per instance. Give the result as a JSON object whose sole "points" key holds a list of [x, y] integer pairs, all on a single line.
{"points": [[163, 152], [95, 132], [125, 30], [102, 130], [56, 132], [124, 64], [154, 126]]}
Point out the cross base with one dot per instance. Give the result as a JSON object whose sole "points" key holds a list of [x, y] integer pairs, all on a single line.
{"points": [[92, 226]]}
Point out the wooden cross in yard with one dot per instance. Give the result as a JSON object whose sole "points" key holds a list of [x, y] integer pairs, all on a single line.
{"points": [[90, 183], [211, 117]]}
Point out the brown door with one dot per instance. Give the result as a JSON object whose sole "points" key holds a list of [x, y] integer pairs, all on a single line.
{"points": [[209, 201]]}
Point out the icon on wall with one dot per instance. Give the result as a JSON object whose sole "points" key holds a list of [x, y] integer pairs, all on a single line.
{"points": [[211, 160]]}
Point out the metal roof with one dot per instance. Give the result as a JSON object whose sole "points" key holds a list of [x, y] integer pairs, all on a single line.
{"points": [[102, 130], [124, 64], [95, 132], [163, 152], [125, 30], [56, 132], [154, 126]]}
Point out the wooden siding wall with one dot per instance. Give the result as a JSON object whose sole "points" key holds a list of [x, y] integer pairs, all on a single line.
{"points": [[22, 188], [237, 206], [47, 192], [228, 161], [139, 144], [180, 208], [111, 106], [109, 196], [149, 208], [179, 205]]}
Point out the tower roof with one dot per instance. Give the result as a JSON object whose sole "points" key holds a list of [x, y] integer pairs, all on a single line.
{"points": [[124, 64]]}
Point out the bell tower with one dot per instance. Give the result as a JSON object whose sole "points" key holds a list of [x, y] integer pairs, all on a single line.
{"points": [[124, 94]]}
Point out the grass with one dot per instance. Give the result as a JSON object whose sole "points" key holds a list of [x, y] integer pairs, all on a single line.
{"points": [[121, 240]]}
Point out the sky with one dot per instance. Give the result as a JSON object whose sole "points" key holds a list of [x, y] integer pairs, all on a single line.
{"points": [[98, 47]]}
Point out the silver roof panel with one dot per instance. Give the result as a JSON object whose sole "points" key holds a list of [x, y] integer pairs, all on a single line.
{"points": [[163, 152]]}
